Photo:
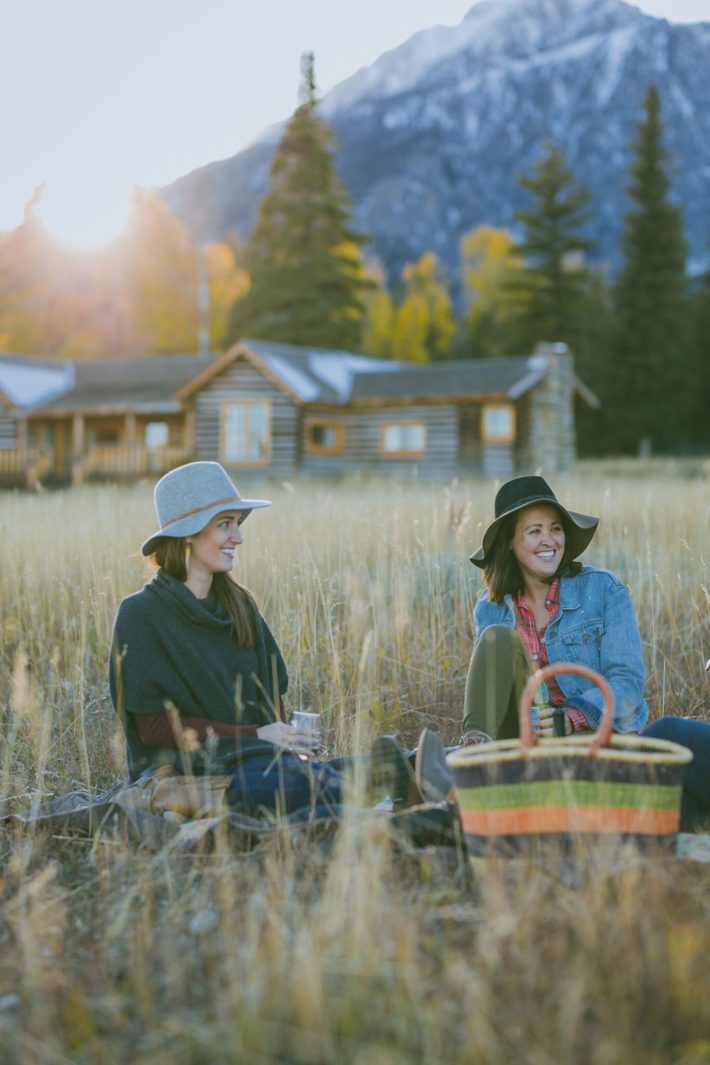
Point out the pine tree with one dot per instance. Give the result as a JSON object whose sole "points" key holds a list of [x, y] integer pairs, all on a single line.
{"points": [[550, 285], [651, 384], [307, 277], [699, 350]]}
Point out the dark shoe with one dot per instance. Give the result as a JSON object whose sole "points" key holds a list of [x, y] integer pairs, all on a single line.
{"points": [[432, 774], [473, 737], [430, 825], [391, 773]]}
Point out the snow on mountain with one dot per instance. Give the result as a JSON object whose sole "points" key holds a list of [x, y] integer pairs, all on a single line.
{"points": [[433, 134]]}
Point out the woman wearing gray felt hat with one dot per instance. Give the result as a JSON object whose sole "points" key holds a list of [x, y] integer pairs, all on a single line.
{"points": [[196, 675], [188, 497]]}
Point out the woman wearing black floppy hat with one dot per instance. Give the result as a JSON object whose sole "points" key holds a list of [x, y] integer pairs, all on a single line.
{"points": [[196, 675], [539, 606]]}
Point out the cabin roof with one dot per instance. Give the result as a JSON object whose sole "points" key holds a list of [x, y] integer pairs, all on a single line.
{"points": [[161, 383], [478, 377], [27, 381], [144, 384]]}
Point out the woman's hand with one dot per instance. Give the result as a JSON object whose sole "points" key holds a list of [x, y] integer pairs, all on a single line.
{"points": [[546, 721], [289, 737]]}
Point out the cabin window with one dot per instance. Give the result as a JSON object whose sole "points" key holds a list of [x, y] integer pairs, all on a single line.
{"points": [[324, 438], [498, 424], [157, 434], [246, 432], [403, 438]]}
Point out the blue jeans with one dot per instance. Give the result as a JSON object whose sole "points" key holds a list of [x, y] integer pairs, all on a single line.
{"points": [[695, 735], [283, 783]]}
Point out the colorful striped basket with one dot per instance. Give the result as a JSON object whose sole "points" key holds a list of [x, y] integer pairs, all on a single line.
{"points": [[518, 796]]}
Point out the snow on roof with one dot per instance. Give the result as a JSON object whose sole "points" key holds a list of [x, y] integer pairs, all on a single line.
{"points": [[28, 384], [292, 377], [337, 369]]}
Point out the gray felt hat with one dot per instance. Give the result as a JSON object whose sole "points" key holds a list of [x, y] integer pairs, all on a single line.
{"points": [[187, 498]]}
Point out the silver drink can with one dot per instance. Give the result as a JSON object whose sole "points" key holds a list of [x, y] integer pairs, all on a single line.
{"points": [[306, 720]]}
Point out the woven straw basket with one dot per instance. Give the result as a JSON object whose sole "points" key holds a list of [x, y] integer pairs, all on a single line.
{"points": [[516, 795]]}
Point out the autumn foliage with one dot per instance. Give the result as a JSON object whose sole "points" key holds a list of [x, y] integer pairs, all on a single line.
{"points": [[138, 295]]}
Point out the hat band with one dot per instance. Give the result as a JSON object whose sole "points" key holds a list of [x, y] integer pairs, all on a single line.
{"points": [[207, 506]]}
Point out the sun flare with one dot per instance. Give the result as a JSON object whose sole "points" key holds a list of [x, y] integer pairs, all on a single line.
{"points": [[84, 217]]}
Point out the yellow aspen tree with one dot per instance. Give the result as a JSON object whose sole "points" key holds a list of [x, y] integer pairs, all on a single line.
{"points": [[424, 321], [161, 267], [227, 281], [489, 262]]}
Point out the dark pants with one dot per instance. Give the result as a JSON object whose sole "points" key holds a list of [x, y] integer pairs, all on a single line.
{"points": [[695, 735], [283, 783]]}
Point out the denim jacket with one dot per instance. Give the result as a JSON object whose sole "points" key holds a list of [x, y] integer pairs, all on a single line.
{"points": [[595, 626]]}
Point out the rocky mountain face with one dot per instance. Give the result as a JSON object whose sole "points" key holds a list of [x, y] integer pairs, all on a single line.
{"points": [[433, 134]]}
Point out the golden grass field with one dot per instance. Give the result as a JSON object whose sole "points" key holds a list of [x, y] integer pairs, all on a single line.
{"points": [[355, 950]]}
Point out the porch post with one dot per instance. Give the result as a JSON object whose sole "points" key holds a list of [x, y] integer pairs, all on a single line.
{"points": [[133, 460], [188, 433], [77, 465], [26, 459], [129, 431]]}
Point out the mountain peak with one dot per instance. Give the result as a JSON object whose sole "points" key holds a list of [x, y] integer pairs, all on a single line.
{"points": [[433, 135], [491, 27]]}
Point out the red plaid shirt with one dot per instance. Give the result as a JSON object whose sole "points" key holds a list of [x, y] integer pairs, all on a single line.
{"points": [[534, 641]]}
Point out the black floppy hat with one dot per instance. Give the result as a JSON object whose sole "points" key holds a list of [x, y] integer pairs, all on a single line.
{"points": [[522, 492]]}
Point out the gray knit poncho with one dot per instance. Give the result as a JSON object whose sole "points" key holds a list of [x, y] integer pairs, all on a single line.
{"points": [[171, 649]]}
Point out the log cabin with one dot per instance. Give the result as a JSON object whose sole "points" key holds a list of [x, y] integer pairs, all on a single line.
{"points": [[269, 410]]}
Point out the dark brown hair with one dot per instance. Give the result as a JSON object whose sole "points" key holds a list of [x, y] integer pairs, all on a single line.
{"points": [[502, 574], [171, 555]]}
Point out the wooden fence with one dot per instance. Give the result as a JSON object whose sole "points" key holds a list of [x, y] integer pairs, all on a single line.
{"points": [[121, 461], [24, 466]]}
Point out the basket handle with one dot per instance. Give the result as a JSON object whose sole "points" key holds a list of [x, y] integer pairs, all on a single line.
{"points": [[528, 736]]}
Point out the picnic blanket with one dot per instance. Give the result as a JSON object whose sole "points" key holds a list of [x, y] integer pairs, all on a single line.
{"points": [[182, 813]]}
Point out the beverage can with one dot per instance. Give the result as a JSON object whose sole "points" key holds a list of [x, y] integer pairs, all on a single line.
{"points": [[535, 714], [306, 719]]}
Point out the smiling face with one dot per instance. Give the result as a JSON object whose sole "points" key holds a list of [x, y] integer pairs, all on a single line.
{"points": [[539, 542], [212, 549]]}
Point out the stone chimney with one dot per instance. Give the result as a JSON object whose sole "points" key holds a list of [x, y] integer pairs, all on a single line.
{"points": [[551, 443]]}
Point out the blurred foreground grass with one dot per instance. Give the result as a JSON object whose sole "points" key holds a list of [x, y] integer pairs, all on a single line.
{"points": [[352, 950]]}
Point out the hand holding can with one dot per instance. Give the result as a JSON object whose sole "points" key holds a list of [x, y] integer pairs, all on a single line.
{"points": [[304, 719]]}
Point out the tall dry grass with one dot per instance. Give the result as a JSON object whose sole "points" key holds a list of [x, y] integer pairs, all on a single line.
{"points": [[353, 949]]}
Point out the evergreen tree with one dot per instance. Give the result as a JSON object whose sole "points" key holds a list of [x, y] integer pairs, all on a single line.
{"points": [[307, 278], [699, 357], [550, 285], [650, 383]]}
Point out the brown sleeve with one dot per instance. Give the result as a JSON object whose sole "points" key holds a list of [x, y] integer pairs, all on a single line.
{"points": [[157, 730]]}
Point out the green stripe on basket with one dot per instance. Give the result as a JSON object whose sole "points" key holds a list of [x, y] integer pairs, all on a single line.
{"points": [[569, 793]]}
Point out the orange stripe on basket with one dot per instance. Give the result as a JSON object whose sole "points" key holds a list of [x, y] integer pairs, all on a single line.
{"points": [[569, 819]]}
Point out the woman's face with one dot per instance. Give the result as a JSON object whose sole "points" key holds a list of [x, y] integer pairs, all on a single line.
{"points": [[212, 549], [539, 541]]}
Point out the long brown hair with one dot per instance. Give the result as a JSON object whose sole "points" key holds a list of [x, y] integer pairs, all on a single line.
{"points": [[171, 555], [503, 576]]}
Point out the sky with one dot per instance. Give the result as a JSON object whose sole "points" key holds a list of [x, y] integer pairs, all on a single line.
{"points": [[101, 95]]}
